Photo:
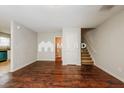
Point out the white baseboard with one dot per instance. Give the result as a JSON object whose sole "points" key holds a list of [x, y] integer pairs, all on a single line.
{"points": [[102, 68], [20, 67]]}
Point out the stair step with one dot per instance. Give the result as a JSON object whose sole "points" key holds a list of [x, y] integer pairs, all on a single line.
{"points": [[85, 55], [86, 58], [84, 52], [87, 63]]}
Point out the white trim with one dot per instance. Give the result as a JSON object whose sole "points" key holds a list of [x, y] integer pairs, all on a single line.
{"points": [[45, 59], [11, 47], [17, 68], [55, 45], [79, 64]]}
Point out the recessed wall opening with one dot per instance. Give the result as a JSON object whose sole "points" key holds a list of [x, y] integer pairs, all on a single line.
{"points": [[5, 50], [58, 50]]}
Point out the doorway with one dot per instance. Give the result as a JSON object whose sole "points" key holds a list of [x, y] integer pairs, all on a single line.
{"points": [[4, 52], [58, 49]]}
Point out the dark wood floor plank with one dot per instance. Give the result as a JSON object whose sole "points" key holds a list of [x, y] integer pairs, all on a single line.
{"points": [[51, 75]]}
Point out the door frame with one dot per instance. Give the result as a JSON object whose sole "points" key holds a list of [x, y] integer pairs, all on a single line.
{"points": [[55, 46]]}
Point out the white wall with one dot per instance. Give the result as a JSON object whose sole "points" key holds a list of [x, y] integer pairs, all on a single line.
{"points": [[71, 38], [7, 31], [23, 46], [9, 55], [106, 45], [47, 37]]}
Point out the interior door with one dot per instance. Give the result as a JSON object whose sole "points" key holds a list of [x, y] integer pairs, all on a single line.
{"points": [[58, 48]]}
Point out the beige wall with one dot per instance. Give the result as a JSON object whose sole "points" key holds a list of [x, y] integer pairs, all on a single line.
{"points": [[106, 44], [47, 37], [23, 46], [2, 34]]}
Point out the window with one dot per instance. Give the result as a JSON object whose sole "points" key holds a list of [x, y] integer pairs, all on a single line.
{"points": [[4, 42]]}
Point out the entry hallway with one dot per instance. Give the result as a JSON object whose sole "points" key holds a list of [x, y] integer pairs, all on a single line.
{"points": [[49, 74]]}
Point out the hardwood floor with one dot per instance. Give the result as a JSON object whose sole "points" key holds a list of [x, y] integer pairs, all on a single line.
{"points": [[4, 67], [50, 75]]}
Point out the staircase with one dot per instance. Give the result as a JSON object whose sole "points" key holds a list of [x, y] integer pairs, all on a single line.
{"points": [[85, 57]]}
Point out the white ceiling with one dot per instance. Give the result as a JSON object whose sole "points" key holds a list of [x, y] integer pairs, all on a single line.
{"points": [[54, 18]]}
